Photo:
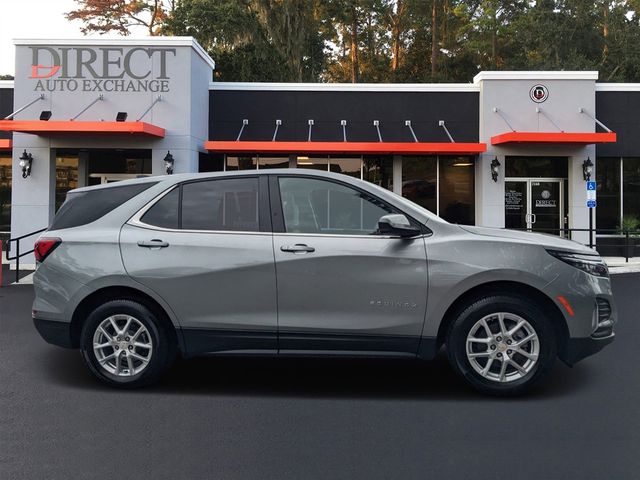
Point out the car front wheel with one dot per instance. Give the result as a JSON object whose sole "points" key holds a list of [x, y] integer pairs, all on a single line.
{"points": [[124, 344], [502, 344]]}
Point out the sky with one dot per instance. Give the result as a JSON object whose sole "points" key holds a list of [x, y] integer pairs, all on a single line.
{"points": [[33, 19]]}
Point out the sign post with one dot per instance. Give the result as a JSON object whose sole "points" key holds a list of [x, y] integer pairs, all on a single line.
{"points": [[591, 204]]}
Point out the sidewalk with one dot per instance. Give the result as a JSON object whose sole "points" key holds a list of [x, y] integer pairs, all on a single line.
{"points": [[619, 265]]}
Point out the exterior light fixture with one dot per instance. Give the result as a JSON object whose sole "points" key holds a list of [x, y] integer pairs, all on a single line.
{"points": [[168, 162], [495, 168], [45, 115], [587, 169], [26, 159], [121, 117]]}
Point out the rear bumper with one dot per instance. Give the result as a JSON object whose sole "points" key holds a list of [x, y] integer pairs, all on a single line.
{"points": [[55, 333], [580, 348]]}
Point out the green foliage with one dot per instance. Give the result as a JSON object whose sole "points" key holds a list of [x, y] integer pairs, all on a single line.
{"points": [[629, 223], [404, 40]]}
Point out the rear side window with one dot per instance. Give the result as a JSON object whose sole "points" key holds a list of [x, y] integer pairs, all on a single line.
{"points": [[81, 208], [227, 204], [164, 213]]}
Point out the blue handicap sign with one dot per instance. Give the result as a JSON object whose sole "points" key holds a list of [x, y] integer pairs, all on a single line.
{"points": [[591, 186], [591, 203]]}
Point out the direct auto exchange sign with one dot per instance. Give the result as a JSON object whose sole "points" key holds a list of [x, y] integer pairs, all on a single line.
{"points": [[107, 69]]}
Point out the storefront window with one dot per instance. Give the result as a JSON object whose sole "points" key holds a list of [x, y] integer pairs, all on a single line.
{"points": [[273, 162], [378, 170], [457, 193], [241, 162], [550, 167], [631, 187], [347, 166], [419, 181], [66, 177], [5, 193], [314, 163], [608, 179]]}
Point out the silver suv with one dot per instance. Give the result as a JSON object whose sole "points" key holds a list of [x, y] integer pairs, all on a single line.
{"points": [[298, 262]]}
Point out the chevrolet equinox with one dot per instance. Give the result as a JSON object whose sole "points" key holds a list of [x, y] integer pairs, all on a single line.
{"points": [[299, 262]]}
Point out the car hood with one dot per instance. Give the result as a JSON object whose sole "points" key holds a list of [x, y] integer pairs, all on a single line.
{"points": [[545, 240]]}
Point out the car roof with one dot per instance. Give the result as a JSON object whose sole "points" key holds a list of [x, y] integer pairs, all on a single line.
{"points": [[181, 177]]}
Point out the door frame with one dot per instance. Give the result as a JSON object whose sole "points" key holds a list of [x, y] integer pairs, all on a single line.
{"points": [[529, 205]]}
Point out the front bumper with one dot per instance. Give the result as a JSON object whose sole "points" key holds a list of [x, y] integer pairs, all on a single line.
{"points": [[580, 348], [55, 333]]}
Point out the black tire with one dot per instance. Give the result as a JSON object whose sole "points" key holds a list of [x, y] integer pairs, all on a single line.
{"points": [[468, 316], [161, 357]]}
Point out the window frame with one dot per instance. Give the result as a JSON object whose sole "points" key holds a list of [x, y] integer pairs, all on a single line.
{"points": [[277, 213], [264, 216]]}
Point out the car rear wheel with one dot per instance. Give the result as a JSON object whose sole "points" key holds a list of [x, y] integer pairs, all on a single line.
{"points": [[125, 344], [502, 344]]}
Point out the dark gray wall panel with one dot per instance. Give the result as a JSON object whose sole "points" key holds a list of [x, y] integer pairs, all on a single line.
{"points": [[6, 107], [620, 111], [227, 108]]}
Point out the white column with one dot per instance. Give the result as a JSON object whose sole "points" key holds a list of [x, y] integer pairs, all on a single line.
{"points": [[32, 198], [489, 194], [577, 208], [397, 174]]}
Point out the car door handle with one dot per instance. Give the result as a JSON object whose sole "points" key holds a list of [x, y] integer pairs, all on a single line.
{"points": [[297, 248], [153, 243]]}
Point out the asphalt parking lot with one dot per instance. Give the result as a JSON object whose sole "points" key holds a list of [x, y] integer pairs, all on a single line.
{"points": [[290, 418]]}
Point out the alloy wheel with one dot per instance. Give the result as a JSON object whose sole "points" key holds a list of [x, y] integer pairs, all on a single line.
{"points": [[122, 345], [502, 347]]}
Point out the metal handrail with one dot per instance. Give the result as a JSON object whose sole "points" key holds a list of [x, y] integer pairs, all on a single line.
{"points": [[613, 232], [19, 255]]}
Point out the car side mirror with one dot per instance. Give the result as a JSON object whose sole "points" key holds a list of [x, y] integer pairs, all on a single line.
{"points": [[397, 225]]}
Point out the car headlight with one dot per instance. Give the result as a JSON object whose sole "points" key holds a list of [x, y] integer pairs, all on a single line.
{"points": [[592, 264]]}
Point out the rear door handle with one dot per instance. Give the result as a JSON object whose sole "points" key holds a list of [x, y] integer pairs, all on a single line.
{"points": [[297, 248], [153, 243]]}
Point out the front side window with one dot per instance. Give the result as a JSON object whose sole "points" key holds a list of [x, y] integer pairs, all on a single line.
{"points": [[226, 204], [318, 206]]}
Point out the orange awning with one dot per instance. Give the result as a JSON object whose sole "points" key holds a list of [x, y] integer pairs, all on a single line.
{"points": [[553, 138], [41, 127], [5, 144], [385, 148]]}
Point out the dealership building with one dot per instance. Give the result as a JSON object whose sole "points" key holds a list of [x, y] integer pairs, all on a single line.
{"points": [[508, 149]]}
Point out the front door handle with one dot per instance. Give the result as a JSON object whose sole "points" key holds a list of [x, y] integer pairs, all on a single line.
{"points": [[153, 243], [297, 248]]}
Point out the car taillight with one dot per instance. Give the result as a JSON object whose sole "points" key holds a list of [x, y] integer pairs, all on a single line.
{"points": [[44, 246]]}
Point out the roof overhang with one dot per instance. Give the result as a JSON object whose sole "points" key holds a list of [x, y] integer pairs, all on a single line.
{"points": [[5, 144], [384, 148], [553, 138], [42, 127]]}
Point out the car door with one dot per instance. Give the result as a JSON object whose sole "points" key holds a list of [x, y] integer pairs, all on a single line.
{"points": [[206, 248], [342, 286]]}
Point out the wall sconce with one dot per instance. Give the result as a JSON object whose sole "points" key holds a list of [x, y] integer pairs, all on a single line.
{"points": [[26, 159], [587, 169], [168, 162], [495, 169]]}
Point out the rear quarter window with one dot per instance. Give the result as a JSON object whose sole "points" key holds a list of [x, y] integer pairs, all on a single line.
{"points": [[81, 208]]}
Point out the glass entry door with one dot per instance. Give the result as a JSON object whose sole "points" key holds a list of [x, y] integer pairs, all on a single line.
{"points": [[534, 204]]}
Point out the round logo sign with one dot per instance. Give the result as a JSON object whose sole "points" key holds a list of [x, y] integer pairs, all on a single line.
{"points": [[546, 194], [539, 93]]}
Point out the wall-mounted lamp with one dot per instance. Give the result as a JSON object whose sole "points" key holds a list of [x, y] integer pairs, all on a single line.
{"points": [[168, 162], [26, 159], [495, 168], [587, 169]]}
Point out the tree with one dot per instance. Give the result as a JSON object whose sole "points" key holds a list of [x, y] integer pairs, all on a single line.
{"points": [[119, 16], [293, 30], [231, 32]]}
